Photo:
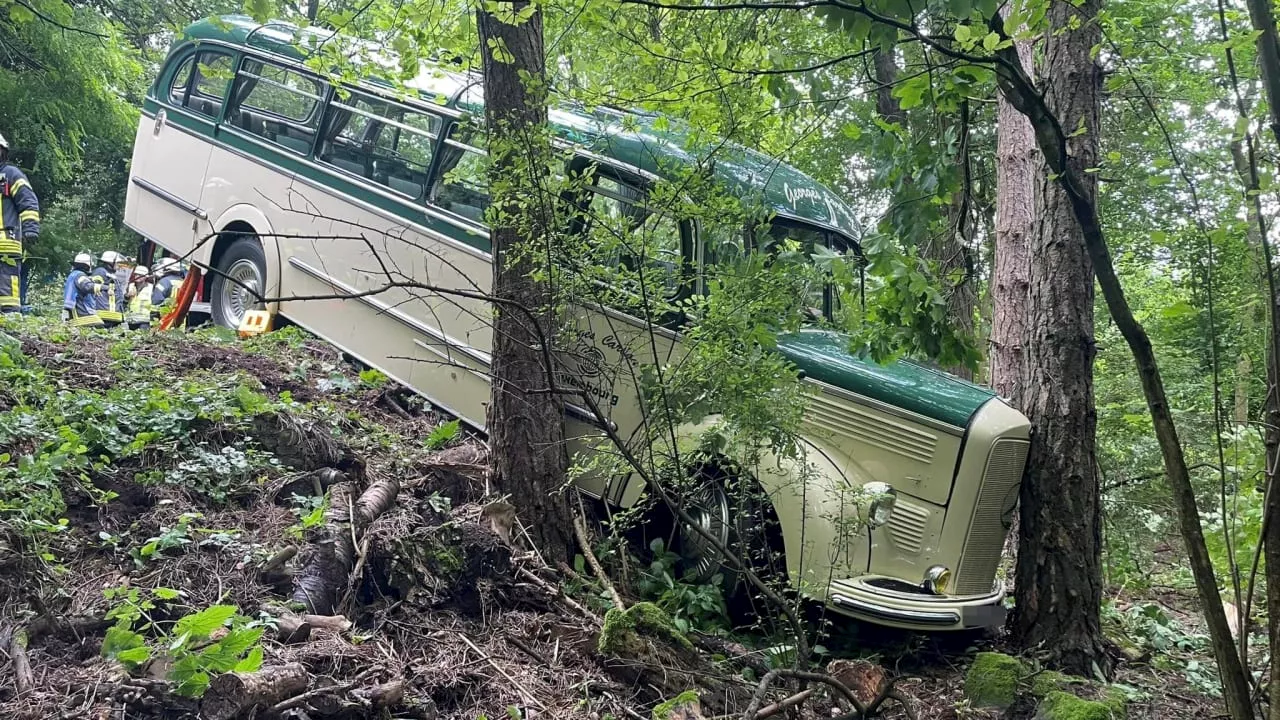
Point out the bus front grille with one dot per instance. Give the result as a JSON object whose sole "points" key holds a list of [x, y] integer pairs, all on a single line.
{"points": [[985, 541]]}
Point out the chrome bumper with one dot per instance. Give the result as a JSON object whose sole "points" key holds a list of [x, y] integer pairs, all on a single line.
{"points": [[860, 599]]}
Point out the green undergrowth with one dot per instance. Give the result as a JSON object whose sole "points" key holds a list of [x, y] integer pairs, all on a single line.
{"points": [[87, 415]]}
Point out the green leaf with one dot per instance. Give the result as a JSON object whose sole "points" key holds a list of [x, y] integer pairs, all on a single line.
{"points": [[251, 663], [206, 621], [442, 435], [134, 656], [963, 34], [991, 41], [163, 593], [120, 638]]}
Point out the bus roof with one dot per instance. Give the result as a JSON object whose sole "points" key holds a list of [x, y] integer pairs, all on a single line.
{"points": [[651, 142]]}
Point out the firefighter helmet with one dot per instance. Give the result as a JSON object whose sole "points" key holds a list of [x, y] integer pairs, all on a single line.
{"points": [[83, 259]]}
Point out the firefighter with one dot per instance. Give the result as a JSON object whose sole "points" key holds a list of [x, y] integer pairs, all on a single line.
{"points": [[79, 295], [111, 295], [20, 210], [168, 275], [140, 287]]}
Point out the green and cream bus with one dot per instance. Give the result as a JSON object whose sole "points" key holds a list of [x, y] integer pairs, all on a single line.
{"points": [[301, 184]]}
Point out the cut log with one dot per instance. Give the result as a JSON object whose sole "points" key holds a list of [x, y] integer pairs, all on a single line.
{"points": [[332, 554], [232, 694], [14, 641], [292, 629], [312, 484]]}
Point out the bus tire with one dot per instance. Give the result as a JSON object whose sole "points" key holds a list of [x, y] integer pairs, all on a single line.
{"points": [[245, 263], [734, 509]]}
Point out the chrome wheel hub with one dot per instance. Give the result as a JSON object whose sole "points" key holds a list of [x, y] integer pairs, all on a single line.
{"points": [[709, 508], [240, 290]]}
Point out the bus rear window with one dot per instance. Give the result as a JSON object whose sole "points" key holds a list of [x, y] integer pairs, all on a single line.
{"points": [[200, 84]]}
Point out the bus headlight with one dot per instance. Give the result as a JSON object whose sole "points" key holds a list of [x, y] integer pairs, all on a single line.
{"points": [[936, 580], [880, 498]]}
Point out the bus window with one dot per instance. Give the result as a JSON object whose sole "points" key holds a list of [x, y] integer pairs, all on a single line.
{"points": [[383, 141], [278, 104], [462, 183], [616, 214], [205, 92]]}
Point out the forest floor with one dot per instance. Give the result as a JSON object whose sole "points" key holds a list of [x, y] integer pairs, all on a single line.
{"points": [[163, 536]]}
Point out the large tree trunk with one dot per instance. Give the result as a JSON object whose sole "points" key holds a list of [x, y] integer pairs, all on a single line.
{"points": [[1015, 223], [1059, 575], [1051, 133], [526, 421]]}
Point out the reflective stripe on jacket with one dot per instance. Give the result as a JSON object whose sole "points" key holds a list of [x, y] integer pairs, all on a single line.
{"points": [[164, 290], [140, 305], [110, 304], [78, 298], [19, 210]]}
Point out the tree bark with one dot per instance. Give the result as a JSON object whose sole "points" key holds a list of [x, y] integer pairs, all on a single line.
{"points": [[1059, 575], [525, 421], [1055, 147], [1015, 223], [232, 694]]}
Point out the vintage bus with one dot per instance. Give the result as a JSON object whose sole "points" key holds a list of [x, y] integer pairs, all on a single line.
{"points": [[255, 165]]}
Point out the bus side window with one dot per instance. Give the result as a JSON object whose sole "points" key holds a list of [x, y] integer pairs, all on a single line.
{"points": [[207, 90], [380, 140], [629, 232], [462, 182], [278, 104]]}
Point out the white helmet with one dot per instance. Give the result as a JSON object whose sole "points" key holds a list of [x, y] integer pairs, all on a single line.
{"points": [[167, 266], [4, 144], [110, 257], [140, 271], [83, 259]]}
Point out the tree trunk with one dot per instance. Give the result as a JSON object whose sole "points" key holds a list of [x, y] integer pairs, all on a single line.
{"points": [[1055, 147], [525, 420], [1015, 223], [1059, 575], [233, 694], [1262, 14], [949, 250]]}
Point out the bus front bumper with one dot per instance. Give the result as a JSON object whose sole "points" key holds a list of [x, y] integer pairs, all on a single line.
{"points": [[864, 599]]}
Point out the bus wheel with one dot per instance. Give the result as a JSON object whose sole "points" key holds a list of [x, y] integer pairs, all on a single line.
{"points": [[238, 283], [733, 510]]}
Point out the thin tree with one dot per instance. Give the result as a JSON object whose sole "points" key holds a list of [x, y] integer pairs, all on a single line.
{"points": [[526, 417]]}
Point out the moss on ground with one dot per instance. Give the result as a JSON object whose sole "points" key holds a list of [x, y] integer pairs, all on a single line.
{"points": [[669, 708], [992, 680], [624, 630], [1060, 705]]}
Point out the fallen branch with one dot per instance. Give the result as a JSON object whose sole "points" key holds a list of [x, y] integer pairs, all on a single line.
{"points": [[278, 560], [333, 553], [559, 594], [528, 696], [232, 694], [13, 639], [581, 533], [304, 698], [753, 709], [774, 709]]}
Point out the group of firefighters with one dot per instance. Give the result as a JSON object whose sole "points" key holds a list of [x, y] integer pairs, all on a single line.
{"points": [[103, 296], [109, 294]]}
